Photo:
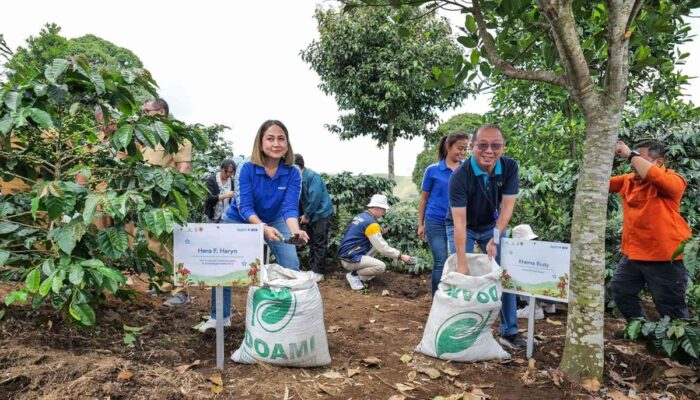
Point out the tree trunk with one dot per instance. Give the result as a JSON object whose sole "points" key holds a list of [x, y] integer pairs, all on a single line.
{"points": [[391, 142], [583, 350]]}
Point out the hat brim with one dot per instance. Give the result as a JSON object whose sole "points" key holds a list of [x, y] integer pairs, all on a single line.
{"points": [[370, 205]]}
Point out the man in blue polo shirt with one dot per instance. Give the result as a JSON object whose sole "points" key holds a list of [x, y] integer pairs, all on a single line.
{"points": [[482, 192]]}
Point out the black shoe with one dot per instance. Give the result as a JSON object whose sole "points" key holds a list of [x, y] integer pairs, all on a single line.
{"points": [[514, 342]]}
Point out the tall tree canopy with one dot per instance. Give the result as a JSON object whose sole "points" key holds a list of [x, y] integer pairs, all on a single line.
{"points": [[378, 63]]}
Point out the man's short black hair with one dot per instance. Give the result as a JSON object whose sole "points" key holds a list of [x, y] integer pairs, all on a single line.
{"points": [[654, 147], [160, 104], [488, 126], [227, 163], [299, 160]]}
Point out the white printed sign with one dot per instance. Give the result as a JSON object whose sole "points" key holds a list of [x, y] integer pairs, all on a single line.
{"points": [[217, 254], [536, 268]]}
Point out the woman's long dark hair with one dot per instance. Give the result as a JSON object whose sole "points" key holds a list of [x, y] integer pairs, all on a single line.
{"points": [[448, 140]]}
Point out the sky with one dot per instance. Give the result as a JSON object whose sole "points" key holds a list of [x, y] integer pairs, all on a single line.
{"points": [[237, 63]]}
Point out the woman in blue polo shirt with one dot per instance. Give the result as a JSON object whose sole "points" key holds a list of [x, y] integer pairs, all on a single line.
{"points": [[267, 192], [433, 204]]}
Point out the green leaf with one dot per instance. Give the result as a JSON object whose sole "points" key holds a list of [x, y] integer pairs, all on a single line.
{"points": [[4, 256], [691, 342], [642, 53], [113, 242], [123, 135], [181, 203], [112, 274], [83, 313], [2, 314], [35, 206], [132, 329], [159, 221], [55, 70], [92, 263], [33, 280], [474, 57], [57, 282], [7, 227], [485, 69], [99, 83], [91, 203], [633, 329], [65, 237], [76, 275], [46, 285], [669, 345], [468, 42], [163, 178], [41, 117], [19, 296], [470, 23], [6, 123], [73, 110], [12, 100], [148, 137], [162, 130], [48, 267], [129, 338]]}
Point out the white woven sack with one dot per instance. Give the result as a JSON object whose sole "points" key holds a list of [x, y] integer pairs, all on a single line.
{"points": [[284, 321], [463, 311]]}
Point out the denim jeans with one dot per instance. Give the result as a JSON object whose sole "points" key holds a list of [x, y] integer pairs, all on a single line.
{"points": [[509, 318], [437, 240], [286, 255]]}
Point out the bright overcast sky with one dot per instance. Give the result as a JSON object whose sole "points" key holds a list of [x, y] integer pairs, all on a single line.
{"points": [[236, 63]]}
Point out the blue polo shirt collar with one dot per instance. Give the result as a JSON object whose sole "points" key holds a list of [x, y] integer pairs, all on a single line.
{"points": [[442, 165], [478, 171], [281, 170]]}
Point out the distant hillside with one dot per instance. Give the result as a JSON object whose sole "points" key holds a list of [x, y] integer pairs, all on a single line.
{"points": [[405, 188]]}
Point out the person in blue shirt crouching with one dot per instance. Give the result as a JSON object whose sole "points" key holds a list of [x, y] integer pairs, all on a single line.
{"points": [[267, 192]]}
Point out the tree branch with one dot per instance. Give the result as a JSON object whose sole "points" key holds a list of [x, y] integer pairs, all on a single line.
{"points": [[565, 35], [505, 67], [621, 14]]}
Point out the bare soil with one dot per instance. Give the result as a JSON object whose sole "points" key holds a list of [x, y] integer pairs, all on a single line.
{"points": [[42, 357]]}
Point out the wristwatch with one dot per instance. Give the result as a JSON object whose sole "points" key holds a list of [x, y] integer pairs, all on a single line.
{"points": [[632, 155]]}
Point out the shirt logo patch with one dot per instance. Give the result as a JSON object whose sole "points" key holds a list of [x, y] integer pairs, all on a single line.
{"points": [[281, 187]]}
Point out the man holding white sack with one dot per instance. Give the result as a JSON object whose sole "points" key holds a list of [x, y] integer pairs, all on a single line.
{"points": [[482, 194]]}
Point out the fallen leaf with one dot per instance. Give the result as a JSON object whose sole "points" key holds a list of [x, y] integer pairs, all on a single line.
{"points": [[626, 350], [451, 372], [353, 371], [371, 321], [397, 397], [412, 375], [678, 371], [616, 377], [460, 385], [385, 292], [592, 385], [406, 358], [520, 361], [333, 375], [557, 376], [480, 395], [528, 378], [124, 376], [49, 325], [616, 395], [216, 389], [553, 322], [372, 361], [402, 329], [431, 372], [216, 379], [286, 392], [628, 34], [695, 388], [554, 354], [404, 388], [325, 389], [333, 329], [477, 386], [183, 368]]}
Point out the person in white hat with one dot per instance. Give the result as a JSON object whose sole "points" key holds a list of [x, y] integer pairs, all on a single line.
{"points": [[525, 232], [362, 239]]}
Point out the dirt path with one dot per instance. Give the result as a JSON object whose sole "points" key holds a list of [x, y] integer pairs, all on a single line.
{"points": [[42, 358]]}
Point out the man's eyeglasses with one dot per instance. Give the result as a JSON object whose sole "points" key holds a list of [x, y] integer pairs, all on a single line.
{"points": [[485, 146]]}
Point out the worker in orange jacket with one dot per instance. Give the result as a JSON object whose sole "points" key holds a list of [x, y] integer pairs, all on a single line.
{"points": [[652, 230]]}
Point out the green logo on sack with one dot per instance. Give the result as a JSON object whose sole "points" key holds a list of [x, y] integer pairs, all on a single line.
{"points": [[459, 332], [273, 310]]}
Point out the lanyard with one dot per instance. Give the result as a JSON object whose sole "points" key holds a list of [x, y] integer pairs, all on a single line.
{"points": [[491, 203]]}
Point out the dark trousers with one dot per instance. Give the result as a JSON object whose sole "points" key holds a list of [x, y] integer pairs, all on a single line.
{"points": [[667, 282], [318, 243]]}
